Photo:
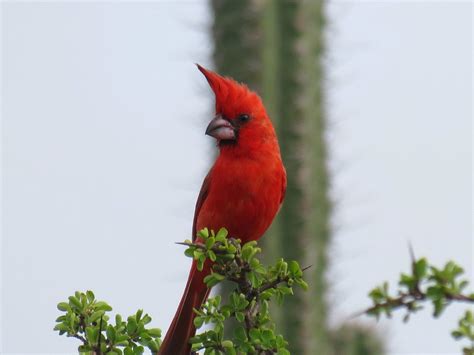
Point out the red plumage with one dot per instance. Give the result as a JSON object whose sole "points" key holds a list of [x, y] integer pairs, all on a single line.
{"points": [[242, 192]]}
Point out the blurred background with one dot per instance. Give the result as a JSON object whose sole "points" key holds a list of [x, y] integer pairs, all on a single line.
{"points": [[103, 154]]}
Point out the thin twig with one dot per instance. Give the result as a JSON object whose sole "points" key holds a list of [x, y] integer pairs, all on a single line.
{"points": [[99, 349]]}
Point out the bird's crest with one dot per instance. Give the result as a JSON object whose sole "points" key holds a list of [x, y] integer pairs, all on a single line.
{"points": [[232, 98]]}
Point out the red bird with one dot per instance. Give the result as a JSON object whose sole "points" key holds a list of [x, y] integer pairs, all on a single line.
{"points": [[242, 192]]}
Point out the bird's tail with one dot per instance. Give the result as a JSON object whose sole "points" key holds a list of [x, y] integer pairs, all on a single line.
{"points": [[182, 328]]}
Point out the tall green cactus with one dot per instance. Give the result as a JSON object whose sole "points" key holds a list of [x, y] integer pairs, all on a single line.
{"points": [[305, 216], [277, 48], [237, 33]]}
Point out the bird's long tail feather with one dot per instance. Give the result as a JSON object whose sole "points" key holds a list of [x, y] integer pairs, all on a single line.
{"points": [[182, 328]]}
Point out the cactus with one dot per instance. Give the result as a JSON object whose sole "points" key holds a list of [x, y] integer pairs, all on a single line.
{"points": [[305, 217], [236, 32]]}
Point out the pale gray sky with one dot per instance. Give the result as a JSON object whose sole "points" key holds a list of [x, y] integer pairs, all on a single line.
{"points": [[104, 152]]}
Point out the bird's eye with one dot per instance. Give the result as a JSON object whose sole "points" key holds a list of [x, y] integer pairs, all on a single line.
{"points": [[244, 118]]}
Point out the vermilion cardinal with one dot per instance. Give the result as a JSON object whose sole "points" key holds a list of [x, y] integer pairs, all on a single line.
{"points": [[242, 192]]}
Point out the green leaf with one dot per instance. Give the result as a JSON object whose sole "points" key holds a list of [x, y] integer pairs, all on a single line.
{"points": [[131, 325], [84, 348], [231, 250], [146, 319], [210, 242], [254, 264], [155, 332], [197, 253], [75, 303], [203, 233], [285, 290], [61, 327], [240, 333], [92, 334], [138, 350], [295, 269], [189, 252], [138, 315], [434, 292], [198, 322], [218, 276], [121, 343], [239, 316], [457, 334], [248, 252], [222, 234], [96, 316], [200, 262], [254, 334], [90, 296], [303, 284], [63, 306], [102, 306], [110, 333], [227, 344], [211, 280], [421, 268], [212, 255], [153, 346]]}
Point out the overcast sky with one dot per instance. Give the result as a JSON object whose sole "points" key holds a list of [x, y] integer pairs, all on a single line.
{"points": [[104, 152]]}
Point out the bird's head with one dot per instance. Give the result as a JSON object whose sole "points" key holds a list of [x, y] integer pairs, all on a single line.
{"points": [[240, 119]]}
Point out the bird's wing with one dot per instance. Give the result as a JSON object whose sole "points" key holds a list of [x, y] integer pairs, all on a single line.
{"points": [[200, 201]]}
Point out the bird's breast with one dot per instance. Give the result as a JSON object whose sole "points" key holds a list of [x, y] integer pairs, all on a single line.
{"points": [[244, 197]]}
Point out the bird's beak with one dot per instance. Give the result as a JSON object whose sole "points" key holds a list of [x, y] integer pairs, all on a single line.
{"points": [[221, 129]]}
